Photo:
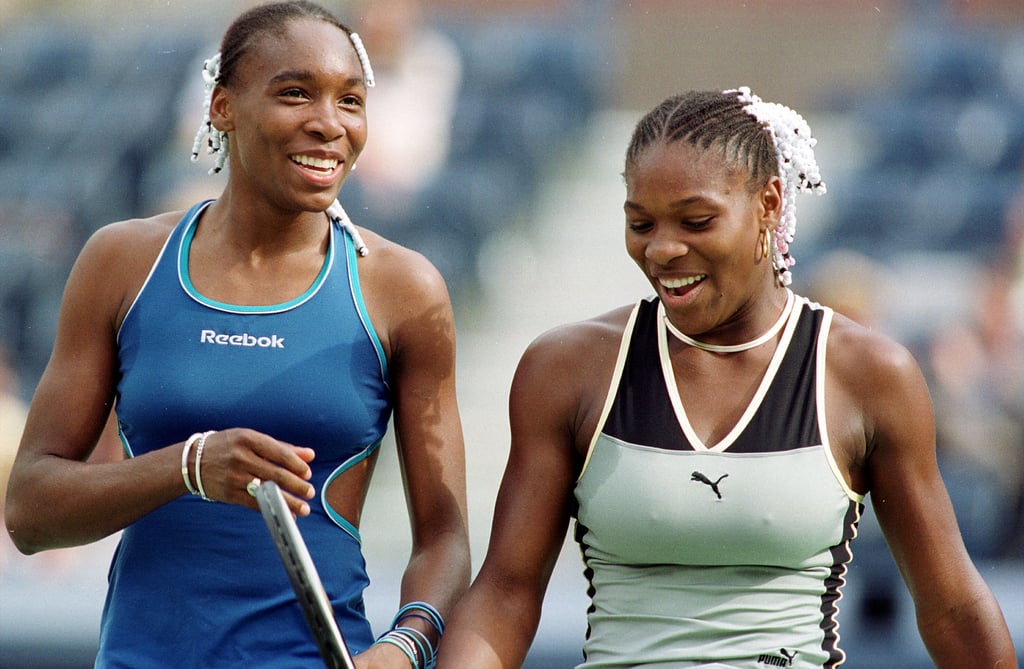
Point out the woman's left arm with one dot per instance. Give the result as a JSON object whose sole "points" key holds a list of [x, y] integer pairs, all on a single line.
{"points": [[958, 617], [420, 339], [428, 431]]}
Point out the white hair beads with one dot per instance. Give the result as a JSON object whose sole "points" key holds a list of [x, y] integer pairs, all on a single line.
{"points": [[798, 169]]}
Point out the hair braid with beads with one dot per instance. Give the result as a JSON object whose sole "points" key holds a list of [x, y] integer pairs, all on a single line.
{"points": [[766, 139], [220, 69]]}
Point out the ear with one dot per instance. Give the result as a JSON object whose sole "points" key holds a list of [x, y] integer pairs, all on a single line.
{"points": [[221, 110], [770, 202]]}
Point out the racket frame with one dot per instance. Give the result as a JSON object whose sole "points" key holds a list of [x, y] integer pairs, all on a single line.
{"points": [[305, 580]]}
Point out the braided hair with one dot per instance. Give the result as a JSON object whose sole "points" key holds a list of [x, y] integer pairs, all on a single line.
{"points": [[221, 68], [765, 139]]}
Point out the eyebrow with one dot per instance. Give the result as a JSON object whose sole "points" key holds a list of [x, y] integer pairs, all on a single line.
{"points": [[677, 204], [307, 75], [290, 75]]}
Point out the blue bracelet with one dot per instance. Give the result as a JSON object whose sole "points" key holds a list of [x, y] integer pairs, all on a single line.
{"points": [[413, 609], [403, 644]]}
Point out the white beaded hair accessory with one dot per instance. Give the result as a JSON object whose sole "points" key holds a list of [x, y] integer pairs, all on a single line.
{"points": [[364, 59], [798, 170], [337, 214], [216, 140]]}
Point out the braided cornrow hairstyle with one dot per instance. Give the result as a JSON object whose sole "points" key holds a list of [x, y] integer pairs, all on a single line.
{"points": [[220, 69], [766, 139]]}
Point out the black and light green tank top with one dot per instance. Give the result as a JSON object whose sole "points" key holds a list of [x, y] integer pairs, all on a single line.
{"points": [[726, 555]]}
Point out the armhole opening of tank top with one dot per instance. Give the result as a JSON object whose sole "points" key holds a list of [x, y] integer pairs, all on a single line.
{"points": [[122, 437], [609, 400], [819, 371]]}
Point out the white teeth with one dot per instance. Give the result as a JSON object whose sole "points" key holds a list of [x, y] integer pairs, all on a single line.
{"points": [[681, 283], [319, 163]]}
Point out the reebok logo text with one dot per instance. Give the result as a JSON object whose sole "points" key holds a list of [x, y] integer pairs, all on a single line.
{"points": [[244, 339]]}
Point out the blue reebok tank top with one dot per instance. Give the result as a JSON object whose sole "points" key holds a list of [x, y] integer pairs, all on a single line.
{"points": [[199, 584]]}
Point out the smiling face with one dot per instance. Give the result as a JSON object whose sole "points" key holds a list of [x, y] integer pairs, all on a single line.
{"points": [[693, 226], [296, 114]]}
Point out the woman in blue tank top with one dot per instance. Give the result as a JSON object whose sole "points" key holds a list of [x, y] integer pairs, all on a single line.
{"points": [[255, 337], [714, 442]]}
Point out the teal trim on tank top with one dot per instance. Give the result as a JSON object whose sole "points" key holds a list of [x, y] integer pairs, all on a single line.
{"points": [[186, 280], [125, 446], [364, 315], [338, 519]]}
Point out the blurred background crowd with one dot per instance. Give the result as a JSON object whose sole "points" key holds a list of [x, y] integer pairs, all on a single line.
{"points": [[497, 131]]}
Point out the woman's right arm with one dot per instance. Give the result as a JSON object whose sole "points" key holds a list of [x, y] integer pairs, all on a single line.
{"points": [[54, 497], [494, 624], [551, 418]]}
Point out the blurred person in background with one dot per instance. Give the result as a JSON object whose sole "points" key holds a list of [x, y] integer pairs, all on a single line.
{"points": [[976, 369], [254, 337], [851, 284], [715, 442], [418, 72]]}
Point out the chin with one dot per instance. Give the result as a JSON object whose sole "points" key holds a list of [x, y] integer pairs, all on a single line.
{"points": [[320, 202]]}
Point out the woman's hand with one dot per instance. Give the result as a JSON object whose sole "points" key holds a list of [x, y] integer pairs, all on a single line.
{"points": [[230, 459]]}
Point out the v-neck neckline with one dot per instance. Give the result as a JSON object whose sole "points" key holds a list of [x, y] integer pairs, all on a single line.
{"points": [[755, 402]]}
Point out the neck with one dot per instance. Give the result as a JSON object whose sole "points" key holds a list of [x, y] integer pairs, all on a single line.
{"points": [[763, 338], [242, 229]]}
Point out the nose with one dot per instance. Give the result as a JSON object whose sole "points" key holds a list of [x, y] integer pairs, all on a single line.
{"points": [[326, 122], [663, 247]]}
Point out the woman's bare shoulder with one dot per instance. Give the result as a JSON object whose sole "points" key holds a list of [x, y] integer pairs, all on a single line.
{"points": [[578, 349], [117, 258], [881, 381], [600, 331], [131, 238], [864, 355], [398, 272]]}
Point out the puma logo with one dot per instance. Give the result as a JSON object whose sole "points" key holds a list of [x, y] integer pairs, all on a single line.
{"points": [[697, 476], [775, 661]]}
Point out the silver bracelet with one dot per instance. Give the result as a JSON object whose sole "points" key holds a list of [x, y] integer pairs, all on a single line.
{"points": [[200, 444], [184, 460]]}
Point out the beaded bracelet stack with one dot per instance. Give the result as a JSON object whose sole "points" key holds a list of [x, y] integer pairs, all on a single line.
{"points": [[415, 644], [199, 439]]}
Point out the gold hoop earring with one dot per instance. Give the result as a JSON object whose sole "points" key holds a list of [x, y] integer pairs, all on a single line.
{"points": [[766, 243]]}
